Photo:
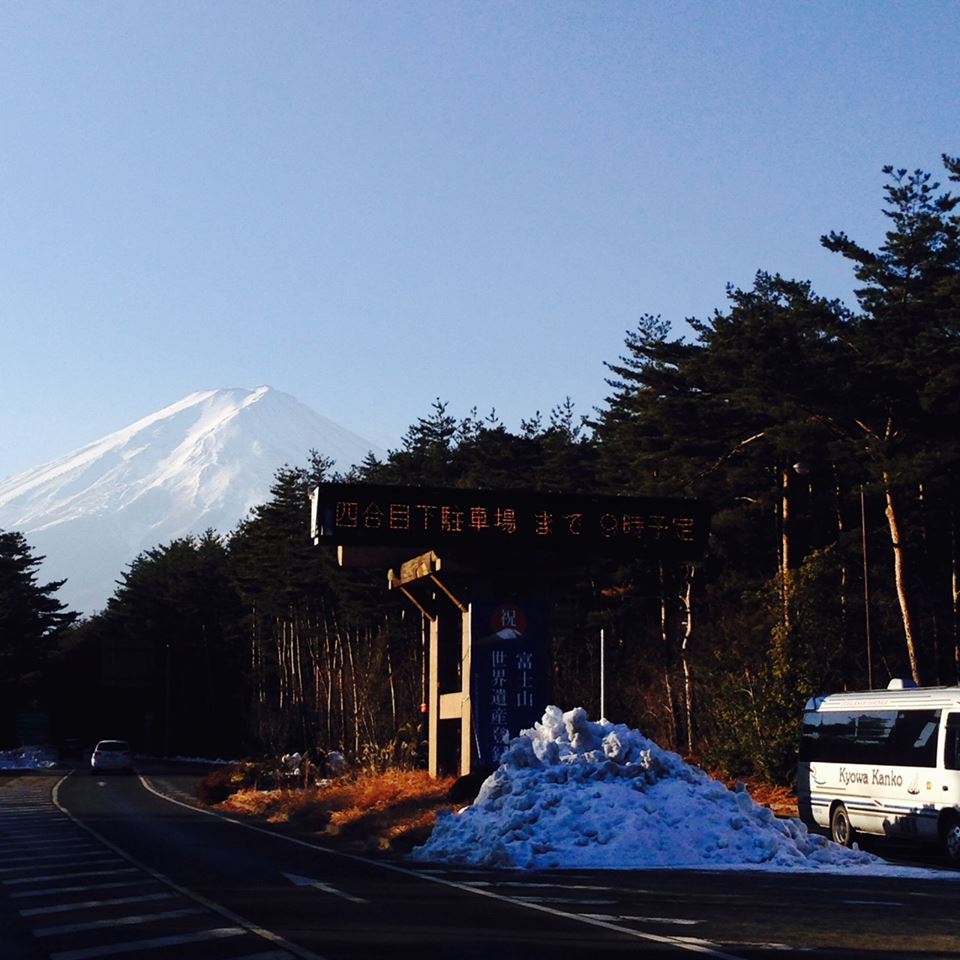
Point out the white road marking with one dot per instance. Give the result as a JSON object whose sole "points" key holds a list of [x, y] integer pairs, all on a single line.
{"points": [[679, 921], [95, 904], [30, 812], [69, 876], [783, 947], [33, 858], [80, 888], [567, 900], [36, 843], [133, 920], [546, 886], [325, 887], [34, 836], [132, 946], [874, 903], [67, 847], [91, 859], [27, 823]]}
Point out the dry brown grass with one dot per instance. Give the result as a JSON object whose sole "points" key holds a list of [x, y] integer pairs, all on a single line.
{"points": [[393, 810], [781, 800]]}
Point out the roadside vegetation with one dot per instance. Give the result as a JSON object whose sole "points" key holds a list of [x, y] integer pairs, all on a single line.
{"points": [[389, 810], [824, 436]]}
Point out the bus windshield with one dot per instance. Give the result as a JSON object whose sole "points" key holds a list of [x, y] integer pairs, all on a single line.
{"points": [[951, 744]]}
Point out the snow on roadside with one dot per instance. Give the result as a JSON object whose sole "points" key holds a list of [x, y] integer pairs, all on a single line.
{"points": [[573, 793], [28, 758]]}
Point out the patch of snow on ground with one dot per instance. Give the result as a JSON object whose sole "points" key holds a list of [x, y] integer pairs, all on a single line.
{"points": [[28, 758], [573, 793]]}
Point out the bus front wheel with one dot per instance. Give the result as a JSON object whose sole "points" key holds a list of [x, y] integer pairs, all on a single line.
{"points": [[951, 838], [841, 830]]}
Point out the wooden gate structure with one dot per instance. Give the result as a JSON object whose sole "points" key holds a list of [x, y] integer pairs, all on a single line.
{"points": [[478, 564]]}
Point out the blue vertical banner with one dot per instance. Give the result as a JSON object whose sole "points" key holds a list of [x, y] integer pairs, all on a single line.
{"points": [[508, 680]]}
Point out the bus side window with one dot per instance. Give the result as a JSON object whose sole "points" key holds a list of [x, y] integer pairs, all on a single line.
{"points": [[951, 743]]}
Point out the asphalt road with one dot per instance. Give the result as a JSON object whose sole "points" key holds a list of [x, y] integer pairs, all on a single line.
{"points": [[102, 866]]}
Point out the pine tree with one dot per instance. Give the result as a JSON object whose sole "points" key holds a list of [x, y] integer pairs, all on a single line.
{"points": [[428, 446], [32, 619], [171, 629], [904, 356]]}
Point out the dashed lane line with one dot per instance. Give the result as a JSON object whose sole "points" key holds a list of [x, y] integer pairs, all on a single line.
{"points": [[33, 836], [95, 904], [65, 855], [567, 900], [874, 903], [42, 843], [153, 943], [50, 877], [129, 921], [531, 885], [79, 888], [62, 862], [239, 922], [676, 921]]}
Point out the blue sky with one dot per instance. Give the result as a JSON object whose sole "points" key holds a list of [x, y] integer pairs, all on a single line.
{"points": [[371, 205]]}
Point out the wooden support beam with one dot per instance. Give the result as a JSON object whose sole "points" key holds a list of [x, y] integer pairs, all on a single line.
{"points": [[431, 616], [460, 606]]}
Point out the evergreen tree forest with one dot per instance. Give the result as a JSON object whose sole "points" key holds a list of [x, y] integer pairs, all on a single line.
{"points": [[825, 436]]}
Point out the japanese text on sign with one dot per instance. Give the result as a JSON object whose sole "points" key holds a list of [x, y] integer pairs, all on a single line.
{"points": [[354, 513]]}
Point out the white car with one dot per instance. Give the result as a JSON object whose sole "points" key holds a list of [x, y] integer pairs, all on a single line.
{"points": [[111, 755]]}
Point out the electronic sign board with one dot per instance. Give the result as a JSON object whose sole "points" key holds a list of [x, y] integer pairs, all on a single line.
{"points": [[353, 514]]}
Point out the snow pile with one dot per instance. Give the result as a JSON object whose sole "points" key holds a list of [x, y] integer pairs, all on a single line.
{"points": [[574, 793], [28, 758]]}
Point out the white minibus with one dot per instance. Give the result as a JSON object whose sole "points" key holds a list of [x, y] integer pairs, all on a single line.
{"points": [[883, 762]]}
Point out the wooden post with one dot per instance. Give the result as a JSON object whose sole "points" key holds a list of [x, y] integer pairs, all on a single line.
{"points": [[466, 715], [433, 701]]}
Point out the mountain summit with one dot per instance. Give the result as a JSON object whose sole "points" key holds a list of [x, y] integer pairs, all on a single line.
{"points": [[200, 463]]}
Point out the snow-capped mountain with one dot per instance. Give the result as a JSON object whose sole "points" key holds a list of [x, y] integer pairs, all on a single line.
{"points": [[200, 463]]}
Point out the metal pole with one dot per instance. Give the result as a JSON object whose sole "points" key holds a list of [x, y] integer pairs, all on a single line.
{"points": [[603, 685], [167, 701], [866, 588]]}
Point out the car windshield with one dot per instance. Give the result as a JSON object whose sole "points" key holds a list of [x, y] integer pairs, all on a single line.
{"points": [[113, 745]]}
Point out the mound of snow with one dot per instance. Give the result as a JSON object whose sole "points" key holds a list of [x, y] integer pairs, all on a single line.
{"points": [[28, 758], [575, 793]]}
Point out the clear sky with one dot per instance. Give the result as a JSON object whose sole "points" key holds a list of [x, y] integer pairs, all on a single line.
{"points": [[370, 205]]}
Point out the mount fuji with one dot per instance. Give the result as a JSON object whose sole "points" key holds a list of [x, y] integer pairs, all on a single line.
{"points": [[200, 463]]}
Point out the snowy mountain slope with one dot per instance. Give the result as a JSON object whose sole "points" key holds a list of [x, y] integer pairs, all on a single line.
{"points": [[202, 462]]}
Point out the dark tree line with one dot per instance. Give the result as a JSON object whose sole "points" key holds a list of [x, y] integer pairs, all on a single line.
{"points": [[825, 438], [33, 623]]}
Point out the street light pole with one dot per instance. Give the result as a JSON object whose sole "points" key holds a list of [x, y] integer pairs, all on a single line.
{"points": [[603, 677], [866, 588]]}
